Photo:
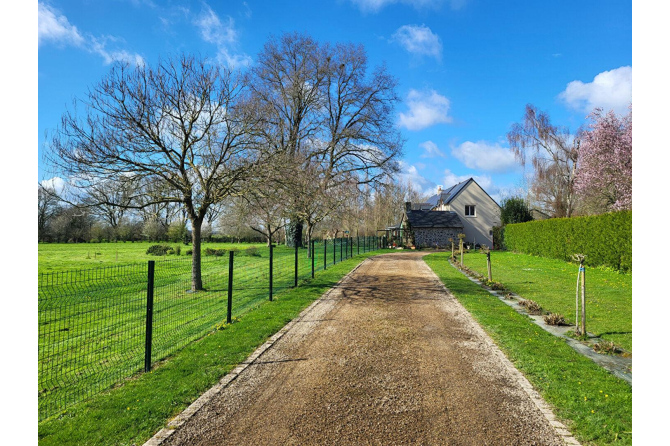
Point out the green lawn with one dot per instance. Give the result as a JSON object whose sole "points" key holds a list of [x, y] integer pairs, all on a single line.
{"points": [[594, 404], [92, 321], [53, 257], [133, 412], [552, 283]]}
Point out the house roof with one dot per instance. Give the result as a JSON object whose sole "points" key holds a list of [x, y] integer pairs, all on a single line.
{"points": [[433, 219], [449, 194]]}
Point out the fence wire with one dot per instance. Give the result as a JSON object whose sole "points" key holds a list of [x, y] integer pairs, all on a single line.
{"points": [[93, 323]]}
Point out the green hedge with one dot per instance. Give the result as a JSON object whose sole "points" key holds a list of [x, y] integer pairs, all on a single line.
{"points": [[607, 240]]}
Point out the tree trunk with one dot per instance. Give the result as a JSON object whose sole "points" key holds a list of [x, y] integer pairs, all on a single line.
{"points": [[294, 233], [196, 270]]}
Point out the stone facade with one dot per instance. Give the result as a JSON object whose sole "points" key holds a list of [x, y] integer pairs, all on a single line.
{"points": [[432, 237]]}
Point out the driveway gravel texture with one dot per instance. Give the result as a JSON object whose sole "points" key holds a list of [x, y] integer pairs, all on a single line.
{"points": [[387, 357]]}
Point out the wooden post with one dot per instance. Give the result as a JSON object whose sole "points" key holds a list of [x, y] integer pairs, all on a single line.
{"points": [[488, 264], [583, 271]]}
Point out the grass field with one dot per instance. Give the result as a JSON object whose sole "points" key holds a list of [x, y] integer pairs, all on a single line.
{"points": [[552, 284], [92, 321], [594, 404], [132, 413]]}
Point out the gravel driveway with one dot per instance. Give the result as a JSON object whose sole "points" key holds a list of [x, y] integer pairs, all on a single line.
{"points": [[388, 357]]}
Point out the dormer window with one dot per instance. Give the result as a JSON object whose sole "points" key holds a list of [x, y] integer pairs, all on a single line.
{"points": [[470, 210]]}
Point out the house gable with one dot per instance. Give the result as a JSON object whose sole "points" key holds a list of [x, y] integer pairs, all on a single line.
{"points": [[475, 207]]}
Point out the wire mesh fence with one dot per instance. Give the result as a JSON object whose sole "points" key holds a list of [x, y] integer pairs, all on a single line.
{"points": [[98, 327]]}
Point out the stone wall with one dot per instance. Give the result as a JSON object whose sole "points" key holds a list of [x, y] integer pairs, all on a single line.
{"points": [[431, 237]]}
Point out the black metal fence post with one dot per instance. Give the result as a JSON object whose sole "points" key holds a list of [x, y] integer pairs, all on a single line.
{"points": [[341, 250], [295, 276], [358, 245], [150, 316], [229, 318], [346, 248], [334, 251], [271, 249], [313, 252], [325, 253]]}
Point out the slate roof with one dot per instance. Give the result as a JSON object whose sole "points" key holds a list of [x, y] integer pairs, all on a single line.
{"points": [[433, 219], [448, 194]]}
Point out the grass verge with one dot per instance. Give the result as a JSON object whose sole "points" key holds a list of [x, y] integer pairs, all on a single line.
{"points": [[552, 284], [131, 413], [594, 404]]}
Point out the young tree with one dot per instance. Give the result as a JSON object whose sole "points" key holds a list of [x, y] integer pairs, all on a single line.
{"points": [[178, 132], [553, 153], [605, 170]]}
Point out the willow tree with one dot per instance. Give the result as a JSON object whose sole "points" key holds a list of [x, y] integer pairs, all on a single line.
{"points": [[552, 152], [330, 117], [179, 132]]}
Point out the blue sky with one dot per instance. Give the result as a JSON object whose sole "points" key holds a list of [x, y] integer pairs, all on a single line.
{"points": [[466, 68]]}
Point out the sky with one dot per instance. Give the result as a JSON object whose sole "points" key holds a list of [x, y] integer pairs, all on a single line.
{"points": [[465, 68]]}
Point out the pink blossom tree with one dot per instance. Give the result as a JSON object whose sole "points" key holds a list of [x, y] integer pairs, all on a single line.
{"points": [[604, 179]]}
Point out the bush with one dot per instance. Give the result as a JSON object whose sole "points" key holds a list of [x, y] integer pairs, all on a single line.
{"points": [[159, 250], [606, 239], [213, 252], [252, 251]]}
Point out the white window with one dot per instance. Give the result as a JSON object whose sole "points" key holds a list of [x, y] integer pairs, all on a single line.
{"points": [[470, 210]]}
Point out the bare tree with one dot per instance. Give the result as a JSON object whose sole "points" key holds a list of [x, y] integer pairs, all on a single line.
{"points": [[326, 115], [552, 152], [178, 132], [48, 207]]}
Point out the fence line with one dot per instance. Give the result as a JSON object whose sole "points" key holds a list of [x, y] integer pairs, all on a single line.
{"points": [[98, 327]]}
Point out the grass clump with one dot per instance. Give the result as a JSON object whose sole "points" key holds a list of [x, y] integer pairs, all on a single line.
{"points": [[531, 306], [607, 348], [554, 319]]}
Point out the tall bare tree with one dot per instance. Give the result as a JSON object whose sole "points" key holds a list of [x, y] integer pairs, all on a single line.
{"points": [[552, 152], [178, 132], [325, 112]]}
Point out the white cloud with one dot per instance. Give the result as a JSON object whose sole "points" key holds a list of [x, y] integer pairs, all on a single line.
{"points": [[55, 184], [222, 34], [426, 108], [409, 174], [611, 90], [419, 40], [55, 27], [377, 5], [430, 150], [485, 156]]}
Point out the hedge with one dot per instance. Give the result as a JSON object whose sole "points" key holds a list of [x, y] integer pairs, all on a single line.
{"points": [[606, 240]]}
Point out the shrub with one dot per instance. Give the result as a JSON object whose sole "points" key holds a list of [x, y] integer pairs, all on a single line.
{"points": [[214, 252], [188, 252], [606, 239], [555, 319], [252, 251], [159, 250], [531, 306], [177, 250]]}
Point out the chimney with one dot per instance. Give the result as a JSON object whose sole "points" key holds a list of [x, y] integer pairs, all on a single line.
{"points": [[439, 190], [408, 206]]}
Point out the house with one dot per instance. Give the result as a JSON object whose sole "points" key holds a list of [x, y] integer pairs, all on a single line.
{"points": [[465, 205], [425, 228]]}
